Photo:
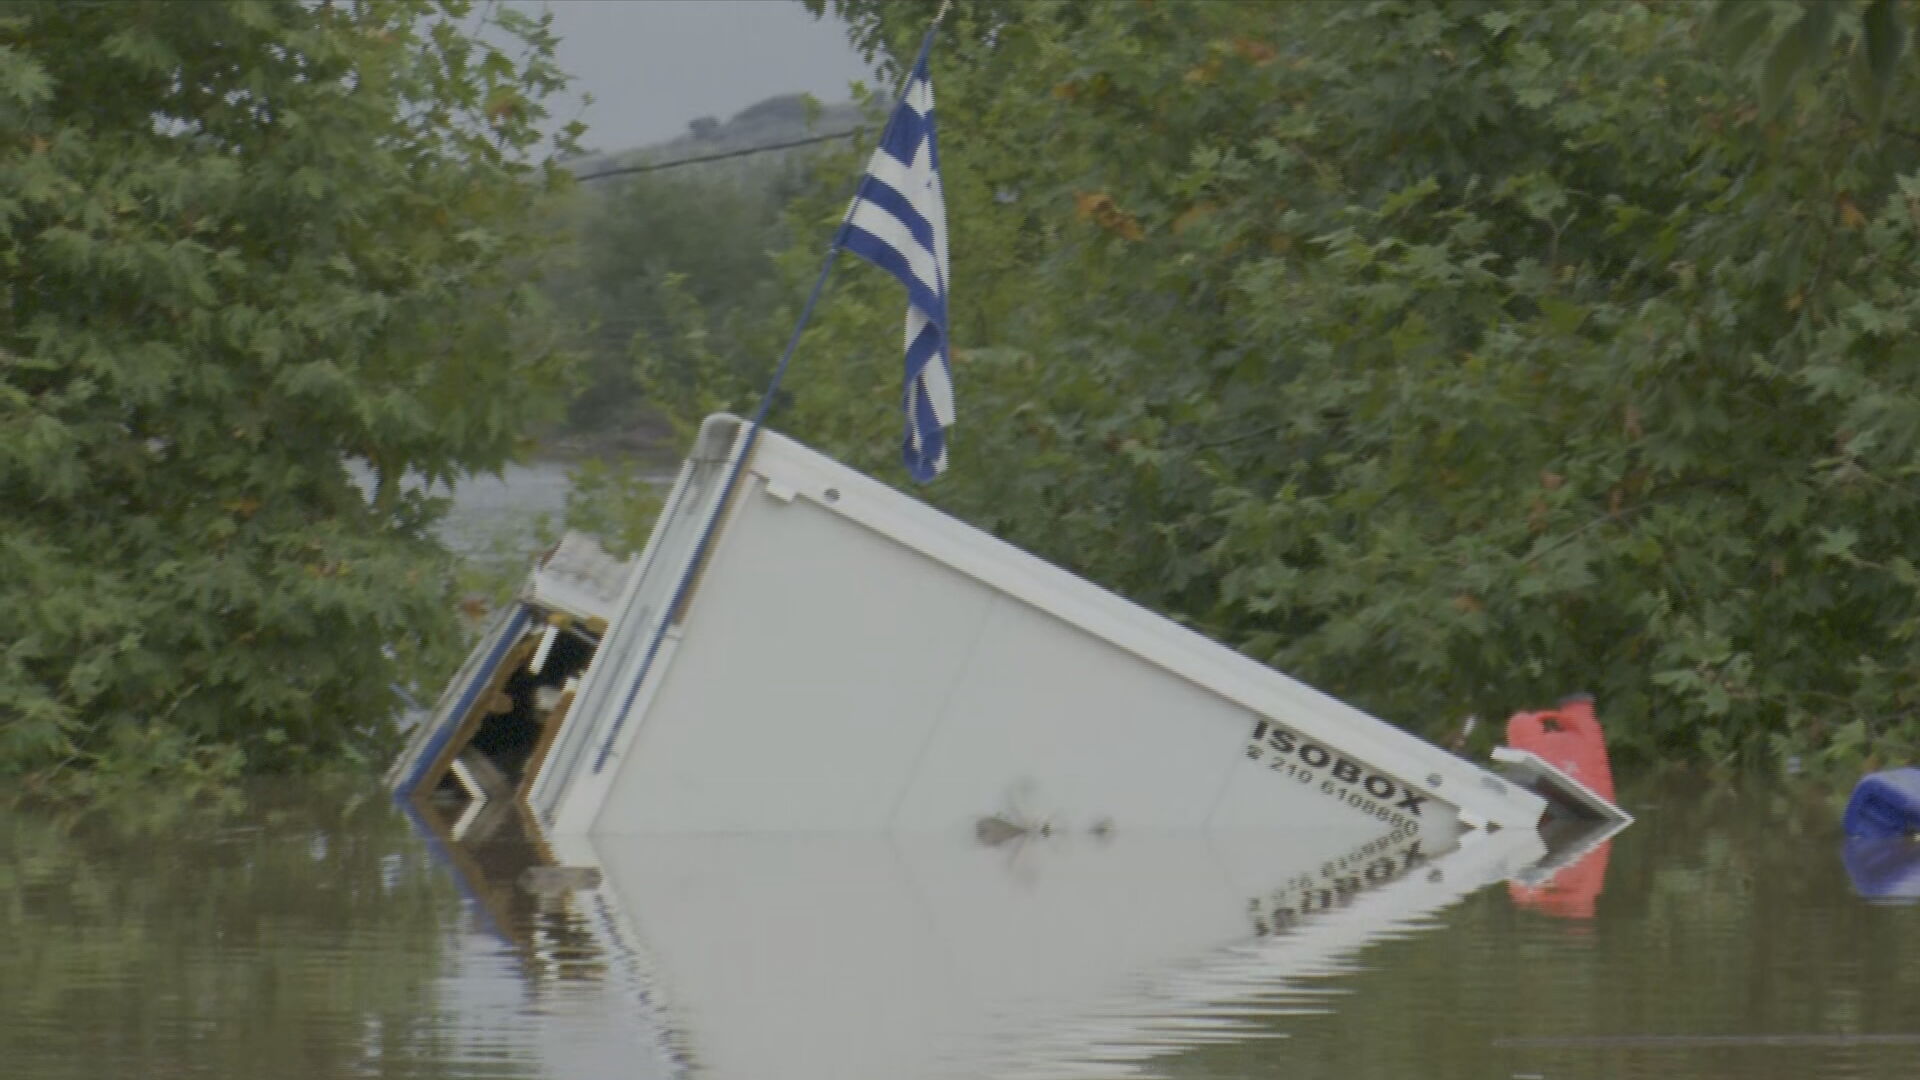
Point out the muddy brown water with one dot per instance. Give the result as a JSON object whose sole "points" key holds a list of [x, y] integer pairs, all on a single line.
{"points": [[328, 932]]}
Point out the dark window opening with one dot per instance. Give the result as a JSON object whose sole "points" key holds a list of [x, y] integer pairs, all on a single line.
{"points": [[518, 717]]}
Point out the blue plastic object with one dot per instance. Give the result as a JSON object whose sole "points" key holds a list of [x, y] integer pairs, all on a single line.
{"points": [[1885, 805], [1884, 869]]}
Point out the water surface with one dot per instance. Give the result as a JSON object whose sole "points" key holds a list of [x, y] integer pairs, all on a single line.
{"points": [[503, 517], [308, 932]]}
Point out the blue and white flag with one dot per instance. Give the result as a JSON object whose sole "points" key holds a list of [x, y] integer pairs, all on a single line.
{"points": [[898, 222]]}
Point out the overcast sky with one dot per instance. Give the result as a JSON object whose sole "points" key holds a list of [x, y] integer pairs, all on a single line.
{"points": [[653, 65]]}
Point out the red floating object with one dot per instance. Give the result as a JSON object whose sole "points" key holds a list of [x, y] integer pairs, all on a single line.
{"points": [[1568, 738]]}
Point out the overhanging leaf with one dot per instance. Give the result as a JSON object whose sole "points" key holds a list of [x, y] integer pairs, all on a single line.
{"points": [[1883, 31]]}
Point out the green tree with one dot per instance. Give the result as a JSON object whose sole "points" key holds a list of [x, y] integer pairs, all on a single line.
{"points": [[1783, 41], [245, 246], [1450, 356], [668, 269], [672, 268]]}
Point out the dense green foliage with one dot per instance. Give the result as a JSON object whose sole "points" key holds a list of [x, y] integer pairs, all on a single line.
{"points": [[666, 268], [1448, 355], [674, 266], [1784, 41], [1451, 356], [246, 246]]}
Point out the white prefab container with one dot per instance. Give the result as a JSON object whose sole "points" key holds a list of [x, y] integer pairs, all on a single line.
{"points": [[849, 659]]}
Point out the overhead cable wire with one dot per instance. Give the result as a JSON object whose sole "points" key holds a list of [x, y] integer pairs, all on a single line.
{"points": [[628, 170]]}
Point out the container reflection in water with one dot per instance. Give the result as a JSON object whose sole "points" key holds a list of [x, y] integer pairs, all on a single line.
{"points": [[857, 955]]}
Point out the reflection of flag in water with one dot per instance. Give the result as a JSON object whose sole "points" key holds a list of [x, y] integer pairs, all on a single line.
{"points": [[898, 222]]}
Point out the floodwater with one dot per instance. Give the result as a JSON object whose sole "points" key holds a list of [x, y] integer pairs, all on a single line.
{"points": [[509, 515], [309, 932], [502, 515], [494, 516]]}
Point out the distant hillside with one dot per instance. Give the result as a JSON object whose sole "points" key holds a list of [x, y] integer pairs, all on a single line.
{"points": [[785, 118]]}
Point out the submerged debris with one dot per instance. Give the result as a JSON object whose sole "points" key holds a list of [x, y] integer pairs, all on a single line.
{"points": [[552, 880], [996, 829]]}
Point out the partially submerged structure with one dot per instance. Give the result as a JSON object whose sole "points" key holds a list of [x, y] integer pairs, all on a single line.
{"points": [[882, 795], [493, 727], [845, 659]]}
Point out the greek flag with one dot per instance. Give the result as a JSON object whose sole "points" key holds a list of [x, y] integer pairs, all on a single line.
{"points": [[898, 222]]}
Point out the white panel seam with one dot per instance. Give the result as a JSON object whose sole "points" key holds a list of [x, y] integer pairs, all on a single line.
{"points": [[1226, 779], [946, 701]]}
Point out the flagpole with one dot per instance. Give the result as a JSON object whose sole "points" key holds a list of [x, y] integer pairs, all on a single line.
{"points": [[759, 415]]}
